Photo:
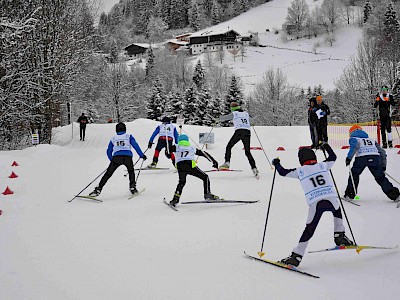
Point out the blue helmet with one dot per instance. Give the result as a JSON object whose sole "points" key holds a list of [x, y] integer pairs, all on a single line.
{"points": [[183, 137]]}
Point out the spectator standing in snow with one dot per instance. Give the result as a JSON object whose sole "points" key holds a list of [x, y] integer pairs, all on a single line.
{"points": [[384, 100], [322, 111], [82, 120], [312, 120]]}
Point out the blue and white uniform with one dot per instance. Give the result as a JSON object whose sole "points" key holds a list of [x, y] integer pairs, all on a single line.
{"points": [[120, 145], [320, 195]]}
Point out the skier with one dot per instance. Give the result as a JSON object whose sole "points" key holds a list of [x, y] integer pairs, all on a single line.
{"points": [[82, 120], [320, 195], [241, 121], [186, 165], [322, 111], [312, 119], [384, 100], [119, 153], [167, 133], [368, 154]]}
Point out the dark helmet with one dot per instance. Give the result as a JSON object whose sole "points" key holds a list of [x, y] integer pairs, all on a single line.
{"points": [[306, 154], [165, 120], [120, 127]]}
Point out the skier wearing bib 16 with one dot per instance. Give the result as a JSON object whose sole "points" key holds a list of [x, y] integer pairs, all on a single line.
{"points": [[320, 195], [167, 133], [369, 154], [241, 121], [186, 165], [119, 153]]}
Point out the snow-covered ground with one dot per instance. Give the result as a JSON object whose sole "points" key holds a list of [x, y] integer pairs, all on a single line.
{"points": [[141, 249]]}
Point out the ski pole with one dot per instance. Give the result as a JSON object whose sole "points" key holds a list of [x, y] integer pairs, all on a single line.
{"points": [[262, 147], [392, 178], [261, 253], [88, 185], [205, 154], [137, 177], [341, 203], [136, 162], [354, 186], [208, 134]]}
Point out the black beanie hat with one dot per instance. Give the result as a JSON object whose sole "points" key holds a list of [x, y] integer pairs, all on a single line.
{"points": [[306, 154], [120, 127]]}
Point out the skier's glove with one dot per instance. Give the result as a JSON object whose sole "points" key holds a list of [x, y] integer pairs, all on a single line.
{"points": [[168, 155], [384, 168], [144, 157], [348, 160], [314, 109], [276, 161], [150, 145], [324, 146], [215, 164]]}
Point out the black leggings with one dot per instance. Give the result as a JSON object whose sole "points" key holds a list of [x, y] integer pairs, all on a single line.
{"points": [[243, 135], [185, 169], [114, 164]]}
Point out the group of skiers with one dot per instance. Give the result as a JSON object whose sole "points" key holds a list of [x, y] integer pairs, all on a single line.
{"points": [[315, 178]]}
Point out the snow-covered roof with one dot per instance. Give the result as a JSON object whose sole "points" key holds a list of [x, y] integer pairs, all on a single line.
{"points": [[212, 32], [178, 42]]}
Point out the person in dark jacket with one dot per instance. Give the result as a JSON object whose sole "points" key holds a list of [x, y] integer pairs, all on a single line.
{"points": [[383, 100], [119, 153], [312, 120], [322, 111], [82, 120], [369, 154]]}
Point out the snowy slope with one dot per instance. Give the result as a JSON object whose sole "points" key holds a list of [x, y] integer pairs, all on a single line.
{"points": [[140, 249], [295, 58]]}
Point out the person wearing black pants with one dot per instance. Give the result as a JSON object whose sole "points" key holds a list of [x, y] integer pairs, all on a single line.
{"points": [[383, 100], [186, 165], [322, 111], [82, 120], [241, 122], [312, 119], [119, 153]]}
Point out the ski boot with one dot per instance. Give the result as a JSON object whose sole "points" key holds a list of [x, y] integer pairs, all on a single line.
{"points": [[255, 172], [133, 190], [384, 145], [349, 194], [152, 165], [224, 166], [342, 240], [175, 200], [96, 192], [210, 197], [294, 260], [390, 144]]}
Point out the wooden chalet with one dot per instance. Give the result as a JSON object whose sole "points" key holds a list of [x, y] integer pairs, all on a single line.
{"points": [[213, 40], [136, 49]]}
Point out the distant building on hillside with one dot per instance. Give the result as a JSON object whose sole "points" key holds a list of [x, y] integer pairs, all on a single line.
{"points": [[178, 41], [209, 41], [136, 49]]}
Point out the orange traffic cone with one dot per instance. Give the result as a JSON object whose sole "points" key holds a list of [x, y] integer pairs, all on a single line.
{"points": [[8, 191], [14, 164], [13, 175]]}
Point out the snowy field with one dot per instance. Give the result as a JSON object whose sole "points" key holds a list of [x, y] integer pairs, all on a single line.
{"points": [[141, 249]]}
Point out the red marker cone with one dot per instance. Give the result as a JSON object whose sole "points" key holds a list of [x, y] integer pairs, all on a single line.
{"points": [[13, 175], [14, 164], [8, 191], [280, 149], [1, 211]]}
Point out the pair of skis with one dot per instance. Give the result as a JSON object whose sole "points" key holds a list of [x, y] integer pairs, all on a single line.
{"points": [[223, 201], [87, 197], [279, 264]]}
